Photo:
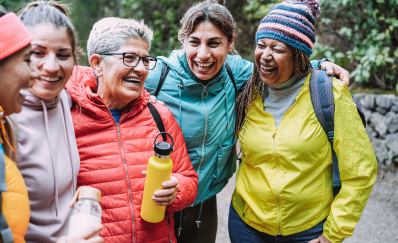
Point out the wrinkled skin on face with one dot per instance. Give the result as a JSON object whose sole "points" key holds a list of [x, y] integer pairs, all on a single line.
{"points": [[52, 55], [207, 48], [17, 72], [274, 61], [119, 84]]}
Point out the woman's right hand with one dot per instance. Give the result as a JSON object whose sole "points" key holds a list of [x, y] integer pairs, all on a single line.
{"points": [[85, 236], [153, 100]]}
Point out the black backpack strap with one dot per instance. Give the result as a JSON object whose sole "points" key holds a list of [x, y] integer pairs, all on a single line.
{"points": [[158, 119], [163, 75], [321, 90], [231, 76]]}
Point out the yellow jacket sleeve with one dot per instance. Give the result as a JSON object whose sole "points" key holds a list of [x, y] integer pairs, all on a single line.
{"points": [[357, 164]]}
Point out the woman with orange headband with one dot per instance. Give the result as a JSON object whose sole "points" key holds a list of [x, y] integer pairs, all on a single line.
{"points": [[16, 74]]}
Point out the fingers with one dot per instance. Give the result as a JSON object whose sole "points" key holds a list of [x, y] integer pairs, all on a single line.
{"points": [[152, 99], [331, 68], [97, 239], [323, 239], [315, 241], [171, 183], [87, 233], [345, 77]]}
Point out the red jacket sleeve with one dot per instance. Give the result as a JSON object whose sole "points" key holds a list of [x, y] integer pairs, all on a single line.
{"points": [[182, 166]]}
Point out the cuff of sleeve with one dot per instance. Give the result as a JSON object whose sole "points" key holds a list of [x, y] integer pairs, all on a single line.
{"points": [[331, 238]]}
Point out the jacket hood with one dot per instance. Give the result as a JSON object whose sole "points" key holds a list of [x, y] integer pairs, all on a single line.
{"points": [[82, 87]]}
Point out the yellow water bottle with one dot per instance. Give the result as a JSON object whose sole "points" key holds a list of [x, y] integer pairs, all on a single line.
{"points": [[158, 171]]}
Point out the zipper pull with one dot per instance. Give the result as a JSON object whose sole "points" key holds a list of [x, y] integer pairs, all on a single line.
{"points": [[204, 92], [198, 222], [179, 231], [275, 132]]}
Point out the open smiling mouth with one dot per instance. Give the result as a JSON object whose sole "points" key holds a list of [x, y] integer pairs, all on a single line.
{"points": [[267, 70], [204, 66], [48, 79], [135, 81]]}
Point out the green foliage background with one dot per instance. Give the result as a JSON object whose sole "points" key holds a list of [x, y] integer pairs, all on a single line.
{"points": [[360, 35]]}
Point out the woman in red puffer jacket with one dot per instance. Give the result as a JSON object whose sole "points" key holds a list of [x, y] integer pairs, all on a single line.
{"points": [[115, 131]]}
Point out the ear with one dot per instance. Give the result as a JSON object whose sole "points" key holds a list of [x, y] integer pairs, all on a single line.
{"points": [[95, 63], [231, 44]]}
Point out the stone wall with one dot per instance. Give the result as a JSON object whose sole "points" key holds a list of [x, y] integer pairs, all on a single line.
{"points": [[381, 112]]}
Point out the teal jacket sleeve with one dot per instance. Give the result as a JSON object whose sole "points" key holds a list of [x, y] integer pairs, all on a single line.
{"points": [[241, 69]]}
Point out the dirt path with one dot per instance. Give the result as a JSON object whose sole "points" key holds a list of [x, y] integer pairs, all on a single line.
{"points": [[379, 221]]}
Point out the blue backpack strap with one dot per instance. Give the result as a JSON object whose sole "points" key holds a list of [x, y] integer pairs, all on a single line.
{"points": [[321, 89], [5, 231]]}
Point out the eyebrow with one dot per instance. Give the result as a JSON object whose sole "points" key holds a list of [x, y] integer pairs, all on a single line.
{"points": [[43, 47], [212, 38]]}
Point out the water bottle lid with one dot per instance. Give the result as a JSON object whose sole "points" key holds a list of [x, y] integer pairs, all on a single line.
{"points": [[86, 192], [163, 148]]}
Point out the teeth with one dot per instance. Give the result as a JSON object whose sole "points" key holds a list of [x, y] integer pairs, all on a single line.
{"points": [[49, 79], [267, 68], [203, 64], [132, 79]]}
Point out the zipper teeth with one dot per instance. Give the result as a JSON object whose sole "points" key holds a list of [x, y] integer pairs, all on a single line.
{"points": [[204, 135], [168, 225], [127, 173], [277, 184]]}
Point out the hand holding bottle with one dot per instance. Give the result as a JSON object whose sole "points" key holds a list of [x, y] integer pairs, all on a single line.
{"points": [[85, 237], [166, 196]]}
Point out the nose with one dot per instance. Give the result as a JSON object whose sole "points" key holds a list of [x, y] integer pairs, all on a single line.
{"points": [[140, 67], [51, 64], [267, 54], [203, 52]]}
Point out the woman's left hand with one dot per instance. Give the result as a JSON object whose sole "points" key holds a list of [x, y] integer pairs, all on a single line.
{"points": [[331, 68], [166, 196], [320, 239]]}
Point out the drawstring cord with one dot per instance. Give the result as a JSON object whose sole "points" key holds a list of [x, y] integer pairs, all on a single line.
{"points": [[51, 155], [226, 105], [180, 228], [200, 212], [180, 105], [74, 184]]}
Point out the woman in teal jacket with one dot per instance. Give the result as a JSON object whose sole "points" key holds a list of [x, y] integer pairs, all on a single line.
{"points": [[201, 95]]}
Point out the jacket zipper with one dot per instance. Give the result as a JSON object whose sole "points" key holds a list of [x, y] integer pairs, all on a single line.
{"points": [[204, 135], [168, 225], [127, 174], [277, 183]]}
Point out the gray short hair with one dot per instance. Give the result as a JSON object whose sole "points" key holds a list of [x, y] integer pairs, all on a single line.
{"points": [[109, 34]]}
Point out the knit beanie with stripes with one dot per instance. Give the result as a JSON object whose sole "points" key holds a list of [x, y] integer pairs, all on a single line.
{"points": [[291, 22]]}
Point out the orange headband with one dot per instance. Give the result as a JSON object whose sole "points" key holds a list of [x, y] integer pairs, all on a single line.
{"points": [[14, 35]]}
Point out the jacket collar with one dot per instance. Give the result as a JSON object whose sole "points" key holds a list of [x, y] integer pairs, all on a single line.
{"points": [[34, 102], [83, 89]]}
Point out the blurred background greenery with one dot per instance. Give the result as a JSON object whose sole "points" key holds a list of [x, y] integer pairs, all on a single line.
{"points": [[360, 35]]}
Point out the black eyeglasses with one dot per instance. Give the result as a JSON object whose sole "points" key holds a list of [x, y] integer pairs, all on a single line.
{"points": [[132, 60]]}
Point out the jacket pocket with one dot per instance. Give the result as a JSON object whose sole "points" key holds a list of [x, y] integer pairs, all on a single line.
{"points": [[225, 158]]}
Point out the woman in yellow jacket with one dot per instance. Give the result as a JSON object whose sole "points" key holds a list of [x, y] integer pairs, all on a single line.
{"points": [[16, 72], [284, 182]]}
